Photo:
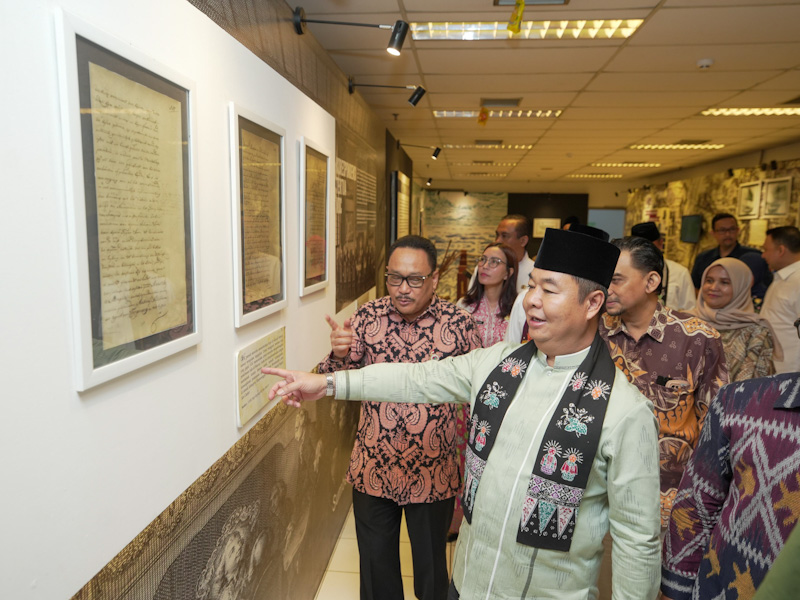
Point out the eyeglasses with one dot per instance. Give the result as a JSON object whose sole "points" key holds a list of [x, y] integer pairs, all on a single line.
{"points": [[491, 261], [728, 230], [414, 281]]}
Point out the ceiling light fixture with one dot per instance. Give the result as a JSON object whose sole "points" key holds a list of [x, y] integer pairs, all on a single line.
{"points": [[429, 182], [640, 165], [499, 146], [598, 29], [519, 113], [416, 95], [676, 146], [436, 149], [595, 176], [399, 29], [751, 112]]}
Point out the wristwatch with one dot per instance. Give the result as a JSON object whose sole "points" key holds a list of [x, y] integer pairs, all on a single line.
{"points": [[330, 387]]}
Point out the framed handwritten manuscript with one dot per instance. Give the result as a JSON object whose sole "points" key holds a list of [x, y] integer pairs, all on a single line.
{"points": [[314, 171], [128, 153], [257, 149]]}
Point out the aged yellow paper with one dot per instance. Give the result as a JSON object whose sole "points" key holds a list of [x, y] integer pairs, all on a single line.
{"points": [[252, 386], [316, 197], [138, 154], [261, 216], [403, 204]]}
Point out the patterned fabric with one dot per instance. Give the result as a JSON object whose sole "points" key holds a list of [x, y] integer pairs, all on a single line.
{"points": [[491, 327], [679, 364], [740, 496], [748, 352], [574, 426], [405, 452]]}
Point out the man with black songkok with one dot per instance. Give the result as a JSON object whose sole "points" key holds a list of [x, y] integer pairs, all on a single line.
{"points": [[561, 449]]}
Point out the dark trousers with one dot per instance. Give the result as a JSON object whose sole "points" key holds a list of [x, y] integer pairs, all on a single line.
{"points": [[378, 534]]}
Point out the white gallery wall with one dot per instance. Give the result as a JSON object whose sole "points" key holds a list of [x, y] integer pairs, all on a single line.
{"points": [[83, 473]]}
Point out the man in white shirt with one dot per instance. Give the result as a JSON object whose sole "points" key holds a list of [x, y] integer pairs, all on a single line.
{"points": [[515, 231], [679, 292], [782, 302]]}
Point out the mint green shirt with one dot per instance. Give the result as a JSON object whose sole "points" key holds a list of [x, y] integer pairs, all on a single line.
{"points": [[622, 493]]}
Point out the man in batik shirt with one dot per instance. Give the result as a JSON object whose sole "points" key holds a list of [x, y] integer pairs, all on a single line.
{"points": [[404, 458], [675, 359]]}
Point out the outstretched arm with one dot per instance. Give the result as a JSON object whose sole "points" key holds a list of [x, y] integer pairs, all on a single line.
{"points": [[297, 386]]}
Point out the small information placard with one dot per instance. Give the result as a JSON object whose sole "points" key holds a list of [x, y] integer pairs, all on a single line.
{"points": [[251, 386]]}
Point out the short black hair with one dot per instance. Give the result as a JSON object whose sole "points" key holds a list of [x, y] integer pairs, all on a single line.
{"points": [[416, 242], [720, 216], [788, 236], [571, 220], [522, 224], [587, 286], [644, 255]]}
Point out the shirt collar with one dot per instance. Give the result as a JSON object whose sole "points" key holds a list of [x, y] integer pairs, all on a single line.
{"points": [[565, 361], [434, 309], [788, 270], [655, 330]]}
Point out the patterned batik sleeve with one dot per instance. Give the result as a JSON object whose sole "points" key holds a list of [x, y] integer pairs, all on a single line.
{"points": [[711, 378], [760, 353], [697, 506]]}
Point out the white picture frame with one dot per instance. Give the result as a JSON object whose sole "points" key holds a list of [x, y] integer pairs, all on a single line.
{"points": [[318, 279], [777, 197], [97, 354], [248, 309]]}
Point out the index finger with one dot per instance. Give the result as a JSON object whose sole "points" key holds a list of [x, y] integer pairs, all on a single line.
{"points": [[333, 324], [273, 371]]}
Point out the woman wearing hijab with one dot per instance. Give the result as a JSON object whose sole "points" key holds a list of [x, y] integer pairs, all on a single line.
{"points": [[725, 303]]}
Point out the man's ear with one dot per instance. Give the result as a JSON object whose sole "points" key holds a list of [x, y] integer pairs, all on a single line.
{"points": [[435, 278], [652, 282], [526, 238], [594, 304]]}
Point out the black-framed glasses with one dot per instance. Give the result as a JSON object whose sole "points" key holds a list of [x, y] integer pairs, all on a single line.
{"points": [[491, 261], [414, 281]]}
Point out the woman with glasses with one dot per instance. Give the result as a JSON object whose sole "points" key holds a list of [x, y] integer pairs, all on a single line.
{"points": [[493, 292], [725, 303]]}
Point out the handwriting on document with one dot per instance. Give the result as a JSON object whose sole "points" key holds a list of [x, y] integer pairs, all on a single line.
{"points": [[261, 214], [138, 160]]}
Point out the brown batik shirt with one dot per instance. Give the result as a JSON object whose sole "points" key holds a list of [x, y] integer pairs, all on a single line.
{"points": [[679, 364], [406, 452]]}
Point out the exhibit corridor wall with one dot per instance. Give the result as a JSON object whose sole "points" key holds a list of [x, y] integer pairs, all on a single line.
{"points": [[84, 473]]}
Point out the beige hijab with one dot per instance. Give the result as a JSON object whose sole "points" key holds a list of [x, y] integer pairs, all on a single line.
{"points": [[739, 312]]}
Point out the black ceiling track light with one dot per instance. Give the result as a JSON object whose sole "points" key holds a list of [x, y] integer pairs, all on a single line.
{"points": [[399, 29], [416, 95], [436, 149]]}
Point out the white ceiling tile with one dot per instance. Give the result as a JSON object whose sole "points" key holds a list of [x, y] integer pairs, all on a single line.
{"points": [[736, 55], [655, 81], [719, 25]]}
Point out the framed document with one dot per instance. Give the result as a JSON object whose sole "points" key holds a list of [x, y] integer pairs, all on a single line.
{"points": [[401, 205], [128, 153], [541, 225], [314, 170], [257, 150], [749, 200], [777, 194]]}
